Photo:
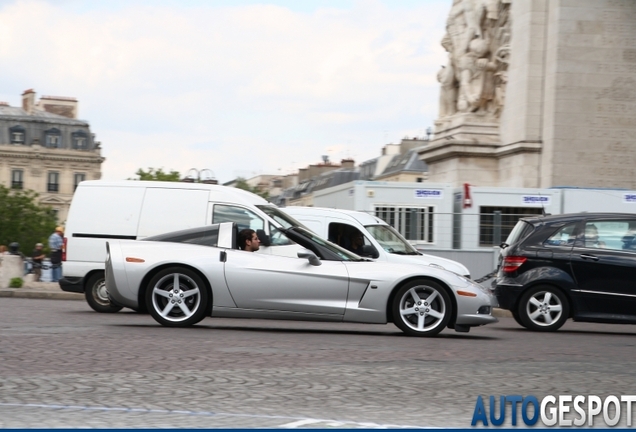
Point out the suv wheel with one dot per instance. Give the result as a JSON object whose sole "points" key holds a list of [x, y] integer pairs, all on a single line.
{"points": [[543, 308]]}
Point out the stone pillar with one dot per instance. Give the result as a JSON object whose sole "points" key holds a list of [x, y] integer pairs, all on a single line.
{"points": [[11, 266]]}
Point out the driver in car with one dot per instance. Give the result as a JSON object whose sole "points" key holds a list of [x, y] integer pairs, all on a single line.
{"points": [[248, 240]]}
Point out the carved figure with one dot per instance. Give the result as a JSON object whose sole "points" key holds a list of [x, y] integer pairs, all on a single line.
{"points": [[477, 40]]}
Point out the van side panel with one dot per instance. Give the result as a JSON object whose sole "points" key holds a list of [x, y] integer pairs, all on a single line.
{"points": [[166, 210], [99, 213]]}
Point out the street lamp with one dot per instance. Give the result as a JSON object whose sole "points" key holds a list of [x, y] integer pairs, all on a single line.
{"points": [[429, 131], [200, 176]]}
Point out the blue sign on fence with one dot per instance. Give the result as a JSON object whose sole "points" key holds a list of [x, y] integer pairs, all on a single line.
{"points": [[428, 193], [535, 200]]}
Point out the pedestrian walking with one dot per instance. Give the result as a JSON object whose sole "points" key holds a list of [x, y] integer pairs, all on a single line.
{"points": [[56, 242], [36, 258]]}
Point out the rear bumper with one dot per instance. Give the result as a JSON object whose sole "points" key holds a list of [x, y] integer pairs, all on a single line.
{"points": [[508, 295], [72, 284]]}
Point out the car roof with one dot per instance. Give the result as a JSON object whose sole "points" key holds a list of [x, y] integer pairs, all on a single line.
{"points": [[577, 216], [361, 217]]}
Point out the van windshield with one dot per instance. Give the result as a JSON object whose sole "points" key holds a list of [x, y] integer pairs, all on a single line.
{"points": [[285, 220], [391, 240]]}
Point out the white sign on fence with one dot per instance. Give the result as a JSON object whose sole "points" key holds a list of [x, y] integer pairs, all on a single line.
{"points": [[535, 200], [428, 193]]}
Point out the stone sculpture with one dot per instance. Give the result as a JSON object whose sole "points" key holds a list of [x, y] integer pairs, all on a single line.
{"points": [[477, 40]]}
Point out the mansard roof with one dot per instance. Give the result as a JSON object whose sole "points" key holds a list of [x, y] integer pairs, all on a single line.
{"points": [[18, 114]]}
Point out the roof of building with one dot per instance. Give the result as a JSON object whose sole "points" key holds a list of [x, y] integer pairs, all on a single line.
{"points": [[19, 114], [407, 162]]}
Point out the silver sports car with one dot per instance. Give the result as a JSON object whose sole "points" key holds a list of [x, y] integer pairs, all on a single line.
{"points": [[182, 277]]}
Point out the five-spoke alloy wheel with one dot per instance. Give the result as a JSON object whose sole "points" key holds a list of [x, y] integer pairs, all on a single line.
{"points": [[543, 308], [177, 297], [422, 308]]}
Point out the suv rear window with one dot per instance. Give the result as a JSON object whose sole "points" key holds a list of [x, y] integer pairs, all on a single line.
{"points": [[519, 232]]}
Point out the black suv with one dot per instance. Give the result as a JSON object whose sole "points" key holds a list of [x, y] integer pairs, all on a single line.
{"points": [[580, 266]]}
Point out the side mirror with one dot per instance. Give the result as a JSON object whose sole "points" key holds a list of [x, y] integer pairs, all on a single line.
{"points": [[309, 255], [264, 238], [370, 251]]}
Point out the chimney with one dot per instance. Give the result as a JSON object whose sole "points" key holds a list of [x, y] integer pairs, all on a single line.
{"points": [[60, 105], [347, 163], [28, 100]]}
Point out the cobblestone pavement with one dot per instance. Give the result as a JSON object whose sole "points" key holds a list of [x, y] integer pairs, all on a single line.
{"points": [[65, 366]]}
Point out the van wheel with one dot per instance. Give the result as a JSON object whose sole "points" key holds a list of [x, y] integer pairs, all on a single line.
{"points": [[97, 296], [177, 297], [422, 308], [543, 308]]}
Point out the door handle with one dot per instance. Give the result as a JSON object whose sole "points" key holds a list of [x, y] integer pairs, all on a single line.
{"points": [[592, 257]]}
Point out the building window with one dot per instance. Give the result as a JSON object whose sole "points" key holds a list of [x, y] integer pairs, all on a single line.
{"points": [[53, 138], [53, 184], [17, 135], [77, 179], [495, 223], [414, 223], [17, 179], [80, 140]]}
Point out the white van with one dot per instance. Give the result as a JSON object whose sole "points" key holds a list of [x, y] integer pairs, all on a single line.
{"points": [[103, 210], [379, 240]]}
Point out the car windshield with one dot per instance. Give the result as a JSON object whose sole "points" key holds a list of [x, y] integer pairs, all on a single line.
{"points": [[391, 240], [285, 220], [334, 249]]}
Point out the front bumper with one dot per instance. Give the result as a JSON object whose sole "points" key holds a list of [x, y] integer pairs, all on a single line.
{"points": [[72, 284]]}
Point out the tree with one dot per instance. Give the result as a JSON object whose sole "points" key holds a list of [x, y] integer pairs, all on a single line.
{"points": [[241, 183], [23, 220], [158, 175]]}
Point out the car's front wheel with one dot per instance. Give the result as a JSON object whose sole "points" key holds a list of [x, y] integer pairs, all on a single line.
{"points": [[97, 296], [177, 297], [422, 308], [543, 308]]}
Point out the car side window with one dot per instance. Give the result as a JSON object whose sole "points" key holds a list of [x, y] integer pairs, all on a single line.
{"points": [[614, 234], [562, 237], [243, 217]]}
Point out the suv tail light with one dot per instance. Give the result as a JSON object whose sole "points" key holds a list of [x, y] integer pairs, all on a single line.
{"points": [[512, 263], [64, 250]]}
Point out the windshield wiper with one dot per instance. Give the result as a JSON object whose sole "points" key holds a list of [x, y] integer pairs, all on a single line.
{"points": [[399, 252]]}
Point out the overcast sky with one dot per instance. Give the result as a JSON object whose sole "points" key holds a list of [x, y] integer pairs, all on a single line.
{"points": [[235, 86]]}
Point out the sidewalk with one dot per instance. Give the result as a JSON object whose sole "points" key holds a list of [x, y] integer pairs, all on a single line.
{"points": [[40, 290]]}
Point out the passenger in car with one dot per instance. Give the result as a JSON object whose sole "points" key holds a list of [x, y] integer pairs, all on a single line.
{"points": [[248, 240], [591, 237]]}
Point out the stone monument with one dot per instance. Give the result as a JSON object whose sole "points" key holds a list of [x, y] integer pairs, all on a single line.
{"points": [[537, 93]]}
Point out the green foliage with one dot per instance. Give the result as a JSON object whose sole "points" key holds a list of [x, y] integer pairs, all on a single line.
{"points": [[241, 183], [15, 283], [158, 175], [23, 220]]}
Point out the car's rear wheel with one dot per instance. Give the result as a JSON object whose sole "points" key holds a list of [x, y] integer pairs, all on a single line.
{"points": [[422, 308], [177, 297], [97, 296], [543, 308], [515, 315]]}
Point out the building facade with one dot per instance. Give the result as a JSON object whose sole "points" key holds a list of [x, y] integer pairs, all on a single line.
{"points": [[45, 148]]}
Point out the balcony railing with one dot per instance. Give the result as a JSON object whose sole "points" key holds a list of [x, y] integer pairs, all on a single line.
{"points": [[52, 187], [17, 184]]}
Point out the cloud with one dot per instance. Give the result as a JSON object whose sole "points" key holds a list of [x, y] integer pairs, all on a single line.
{"points": [[253, 87]]}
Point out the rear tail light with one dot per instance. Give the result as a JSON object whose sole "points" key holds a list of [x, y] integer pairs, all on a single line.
{"points": [[64, 250], [512, 263]]}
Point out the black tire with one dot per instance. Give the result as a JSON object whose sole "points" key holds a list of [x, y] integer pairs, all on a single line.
{"points": [[515, 315], [543, 308], [414, 316], [181, 306], [96, 294]]}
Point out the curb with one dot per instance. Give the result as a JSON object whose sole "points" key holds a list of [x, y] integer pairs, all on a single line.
{"points": [[39, 294]]}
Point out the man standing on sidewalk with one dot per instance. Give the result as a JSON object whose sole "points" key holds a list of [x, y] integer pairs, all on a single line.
{"points": [[36, 258], [56, 242]]}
